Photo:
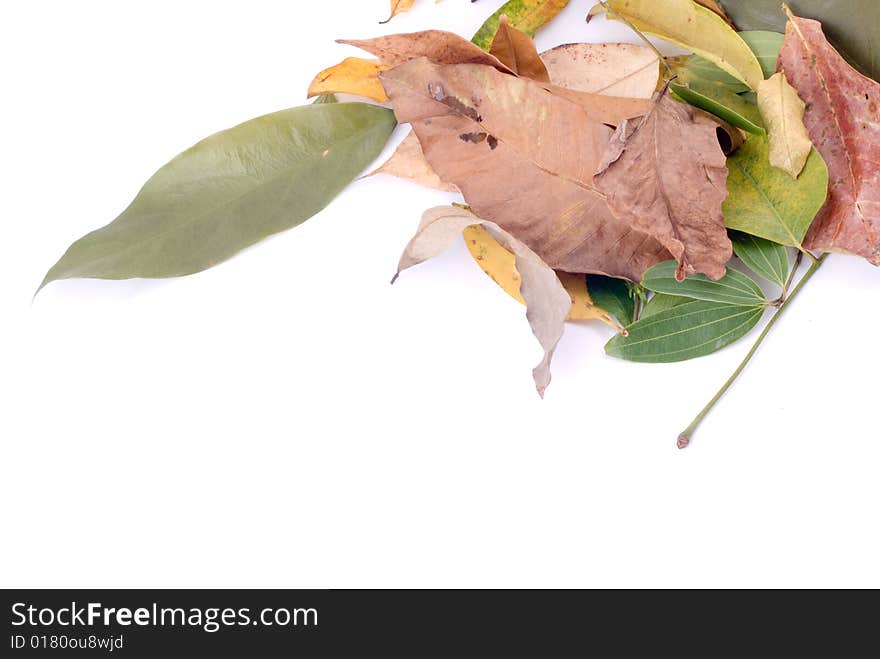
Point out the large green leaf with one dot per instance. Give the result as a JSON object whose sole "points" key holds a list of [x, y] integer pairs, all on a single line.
{"points": [[733, 288], [852, 26], [767, 202], [232, 190], [765, 258], [766, 46], [717, 99], [612, 295], [686, 331], [526, 15]]}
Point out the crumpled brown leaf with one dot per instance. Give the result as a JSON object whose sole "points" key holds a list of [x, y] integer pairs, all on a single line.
{"points": [[524, 158], [547, 301], [516, 50], [666, 175], [843, 119]]}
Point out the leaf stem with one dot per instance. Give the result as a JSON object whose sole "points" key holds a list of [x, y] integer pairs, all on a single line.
{"points": [[785, 288], [684, 438]]}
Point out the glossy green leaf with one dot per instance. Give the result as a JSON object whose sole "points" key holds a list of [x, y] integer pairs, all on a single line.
{"points": [[693, 329], [852, 26], [717, 99], [733, 288], [767, 202], [766, 46], [696, 69], [231, 190], [612, 295], [765, 258], [528, 16], [661, 302]]}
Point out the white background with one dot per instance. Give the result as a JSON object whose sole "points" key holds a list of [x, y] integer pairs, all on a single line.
{"points": [[288, 419]]}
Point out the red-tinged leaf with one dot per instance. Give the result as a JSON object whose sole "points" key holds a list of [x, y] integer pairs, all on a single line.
{"points": [[843, 119]]}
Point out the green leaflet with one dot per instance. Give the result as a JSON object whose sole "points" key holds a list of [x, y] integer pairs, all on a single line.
{"points": [[767, 202], [661, 302], [852, 26], [526, 15], [765, 258], [696, 69], [717, 99], [766, 46], [733, 288], [231, 190], [612, 295], [692, 329]]}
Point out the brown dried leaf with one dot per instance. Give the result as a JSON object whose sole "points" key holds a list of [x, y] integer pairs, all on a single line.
{"points": [[437, 45], [523, 158], [547, 301], [843, 120], [517, 50], [409, 163], [667, 175]]}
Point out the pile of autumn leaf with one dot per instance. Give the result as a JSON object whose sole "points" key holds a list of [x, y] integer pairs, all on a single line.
{"points": [[599, 181]]}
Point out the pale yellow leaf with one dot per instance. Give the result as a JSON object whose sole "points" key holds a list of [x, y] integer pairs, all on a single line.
{"points": [[610, 69], [695, 28], [352, 75], [398, 7], [783, 113]]}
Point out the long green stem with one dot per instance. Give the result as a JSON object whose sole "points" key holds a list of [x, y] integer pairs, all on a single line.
{"points": [[685, 437]]}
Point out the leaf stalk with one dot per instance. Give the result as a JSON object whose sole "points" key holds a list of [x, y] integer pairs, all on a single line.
{"points": [[684, 439]]}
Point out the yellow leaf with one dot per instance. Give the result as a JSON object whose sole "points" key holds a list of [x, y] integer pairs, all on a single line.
{"points": [[352, 75], [695, 28], [499, 264], [783, 113], [398, 7]]}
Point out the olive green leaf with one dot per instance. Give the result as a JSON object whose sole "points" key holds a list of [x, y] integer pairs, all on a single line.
{"points": [[717, 99], [612, 295], [693, 68], [766, 46], [661, 302], [231, 190], [528, 16], [765, 258], [765, 201], [693, 329], [733, 288], [852, 26], [695, 28]]}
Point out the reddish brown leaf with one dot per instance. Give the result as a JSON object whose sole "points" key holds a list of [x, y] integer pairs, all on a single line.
{"points": [[523, 158], [517, 50], [843, 119], [666, 175]]}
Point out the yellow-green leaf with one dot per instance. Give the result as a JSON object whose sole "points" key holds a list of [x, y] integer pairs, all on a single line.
{"points": [[526, 15], [695, 28], [783, 113]]}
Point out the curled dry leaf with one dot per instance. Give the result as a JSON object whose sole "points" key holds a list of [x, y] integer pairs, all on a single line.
{"points": [[523, 158], [398, 7], [843, 120], [516, 50], [666, 175], [352, 75], [547, 301], [783, 113], [499, 264]]}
